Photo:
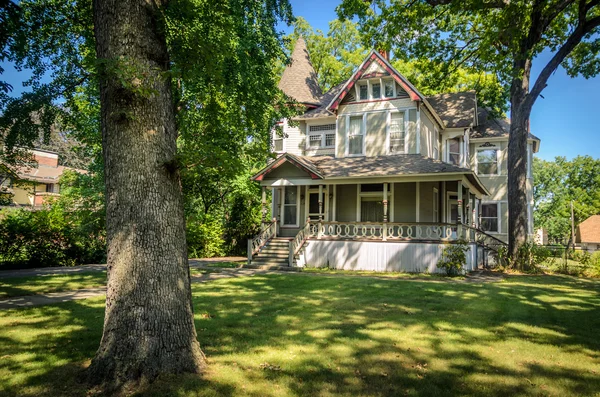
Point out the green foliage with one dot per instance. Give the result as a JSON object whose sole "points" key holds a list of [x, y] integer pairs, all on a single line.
{"points": [[530, 256], [46, 238], [205, 237], [454, 258], [556, 184]]}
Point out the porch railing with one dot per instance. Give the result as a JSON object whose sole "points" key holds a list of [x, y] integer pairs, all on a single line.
{"points": [[385, 231], [298, 242], [255, 244]]}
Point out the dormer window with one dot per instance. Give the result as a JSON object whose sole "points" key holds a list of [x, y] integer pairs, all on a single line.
{"points": [[454, 152], [364, 92], [376, 88]]}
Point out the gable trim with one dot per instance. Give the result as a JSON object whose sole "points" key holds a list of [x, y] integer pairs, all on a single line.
{"points": [[314, 174]]}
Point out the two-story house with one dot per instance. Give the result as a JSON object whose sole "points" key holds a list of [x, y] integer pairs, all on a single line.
{"points": [[376, 176]]}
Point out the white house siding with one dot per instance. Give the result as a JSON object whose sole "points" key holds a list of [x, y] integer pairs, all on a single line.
{"points": [[376, 134], [427, 134], [405, 198], [410, 257], [376, 105], [293, 141], [346, 196], [426, 201]]}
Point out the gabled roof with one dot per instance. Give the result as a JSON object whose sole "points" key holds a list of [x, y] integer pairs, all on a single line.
{"points": [[301, 162], [589, 230], [299, 80], [489, 127], [374, 56], [322, 110]]}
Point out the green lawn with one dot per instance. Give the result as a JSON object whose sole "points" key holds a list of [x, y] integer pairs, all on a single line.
{"points": [[405, 275], [20, 286], [302, 335]]}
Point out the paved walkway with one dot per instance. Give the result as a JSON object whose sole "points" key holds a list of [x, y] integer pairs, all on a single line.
{"points": [[46, 271], [218, 273]]}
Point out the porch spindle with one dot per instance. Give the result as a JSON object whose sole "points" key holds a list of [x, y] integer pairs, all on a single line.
{"points": [[320, 203]]}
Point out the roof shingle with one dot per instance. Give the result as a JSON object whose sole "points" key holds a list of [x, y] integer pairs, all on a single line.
{"points": [[457, 110], [589, 230], [299, 80]]}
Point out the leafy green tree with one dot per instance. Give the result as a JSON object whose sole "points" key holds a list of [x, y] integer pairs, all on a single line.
{"points": [[500, 37], [558, 183]]}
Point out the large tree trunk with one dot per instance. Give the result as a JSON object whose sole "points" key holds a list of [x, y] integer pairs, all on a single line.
{"points": [[517, 163], [149, 324]]}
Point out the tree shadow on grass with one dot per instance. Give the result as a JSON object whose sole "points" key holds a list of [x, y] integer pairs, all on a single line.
{"points": [[306, 335]]}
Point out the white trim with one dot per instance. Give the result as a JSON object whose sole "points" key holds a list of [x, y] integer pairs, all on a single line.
{"points": [[418, 129], [498, 158], [334, 211], [391, 201], [298, 204]]}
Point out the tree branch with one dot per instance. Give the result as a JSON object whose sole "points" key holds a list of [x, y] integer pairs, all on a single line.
{"points": [[559, 57]]}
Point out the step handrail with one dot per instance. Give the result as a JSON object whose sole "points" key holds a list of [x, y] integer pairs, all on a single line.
{"points": [[261, 239], [298, 242]]}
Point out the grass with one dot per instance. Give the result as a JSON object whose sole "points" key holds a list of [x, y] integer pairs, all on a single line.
{"points": [[405, 275], [301, 335], [225, 265], [43, 284]]}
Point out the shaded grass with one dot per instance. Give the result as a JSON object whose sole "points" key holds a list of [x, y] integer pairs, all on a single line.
{"points": [[300, 335], [226, 265], [405, 275], [43, 284]]}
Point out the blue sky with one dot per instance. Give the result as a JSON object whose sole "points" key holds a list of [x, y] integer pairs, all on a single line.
{"points": [[564, 119]]}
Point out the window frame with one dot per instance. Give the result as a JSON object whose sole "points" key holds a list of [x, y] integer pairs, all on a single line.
{"points": [[375, 195], [498, 216], [384, 82], [460, 150], [363, 130], [481, 149], [323, 134], [283, 205], [388, 132]]}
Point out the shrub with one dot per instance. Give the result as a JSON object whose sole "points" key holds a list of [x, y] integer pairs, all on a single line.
{"points": [[205, 237], [454, 257], [583, 257], [530, 256]]}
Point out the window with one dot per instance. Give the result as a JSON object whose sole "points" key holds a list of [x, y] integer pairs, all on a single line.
{"points": [[454, 151], [371, 209], [278, 144], [290, 205], [489, 217], [389, 88], [487, 162], [355, 135], [373, 187], [314, 141], [436, 205], [397, 132], [363, 92], [321, 136], [376, 89], [330, 140]]}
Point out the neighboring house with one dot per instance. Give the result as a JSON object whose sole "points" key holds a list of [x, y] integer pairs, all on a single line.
{"points": [[376, 176], [35, 184], [588, 234]]}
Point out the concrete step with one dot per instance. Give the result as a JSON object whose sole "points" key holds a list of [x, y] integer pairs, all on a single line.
{"points": [[270, 259], [277, 244], [274, 252]]}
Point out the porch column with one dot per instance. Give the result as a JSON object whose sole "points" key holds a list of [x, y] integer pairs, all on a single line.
{"points": [[385, 212], [334, 210], [444, 202], [418, 202], [320, 203], [467, 206], [473, 209], [264, 204], [460, 202], [279, 206]]}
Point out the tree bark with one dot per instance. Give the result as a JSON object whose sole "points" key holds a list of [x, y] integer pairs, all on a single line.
{"points": [[148, 325], [517, 161]]}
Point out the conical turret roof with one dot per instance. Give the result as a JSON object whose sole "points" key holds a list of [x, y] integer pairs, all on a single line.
{"points": [[299, 80]]}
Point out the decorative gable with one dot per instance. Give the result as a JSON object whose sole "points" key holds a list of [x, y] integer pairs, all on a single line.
{"points": [[375, 66]]}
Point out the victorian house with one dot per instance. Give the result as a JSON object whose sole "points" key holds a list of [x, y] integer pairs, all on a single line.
{"points": [[376, 176]]}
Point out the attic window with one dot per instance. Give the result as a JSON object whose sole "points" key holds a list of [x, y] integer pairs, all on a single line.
{"points": [[376, 87], [324, 127], [389, 88], [364, 93]]}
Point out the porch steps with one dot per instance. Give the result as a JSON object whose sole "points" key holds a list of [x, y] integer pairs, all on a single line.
{"points": [[273, 255], [285, 268]]}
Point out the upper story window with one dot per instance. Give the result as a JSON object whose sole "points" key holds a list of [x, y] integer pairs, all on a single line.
{"points": [[397, 131], [454, 152], [389, 88], [363, 90], [355, 135], [487, 162], [278, 144], [376, 88], [321, 136]]}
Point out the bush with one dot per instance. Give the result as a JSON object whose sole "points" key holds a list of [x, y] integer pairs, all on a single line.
{"points": [[205, 237], [454, 258], [531, 255], [583, 257], [47, 237]]}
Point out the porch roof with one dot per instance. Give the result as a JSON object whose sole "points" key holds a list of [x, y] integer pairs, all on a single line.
{"points": [[331, 168]]}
